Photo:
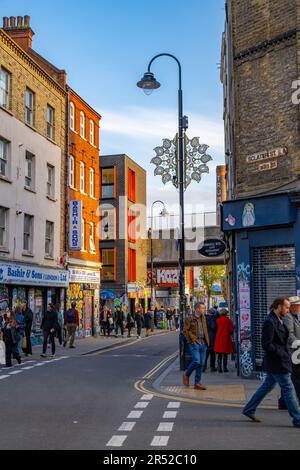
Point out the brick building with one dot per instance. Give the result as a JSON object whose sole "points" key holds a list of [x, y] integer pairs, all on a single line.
{"points": [[123, 218], [83, 197], [261, 220], [32, 174]]}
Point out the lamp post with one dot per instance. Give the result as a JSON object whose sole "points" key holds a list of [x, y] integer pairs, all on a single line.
{"points": [[163, 213], [148, 84]]}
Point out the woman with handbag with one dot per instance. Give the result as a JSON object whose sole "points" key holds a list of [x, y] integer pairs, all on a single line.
{"points": [[224, 343], [11, 338]]}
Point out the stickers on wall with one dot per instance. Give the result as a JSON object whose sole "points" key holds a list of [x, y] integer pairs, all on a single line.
{"points": [[249, 215]]}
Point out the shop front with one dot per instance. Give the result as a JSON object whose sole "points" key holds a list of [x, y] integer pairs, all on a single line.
{"points": [[84, 291], [265, 263], [35, 285]]}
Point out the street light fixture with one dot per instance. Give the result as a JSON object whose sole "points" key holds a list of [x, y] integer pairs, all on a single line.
{"points": [[163, 213], [148, 83]]}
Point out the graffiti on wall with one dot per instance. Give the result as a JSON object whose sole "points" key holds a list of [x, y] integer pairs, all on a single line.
{"points": [[4, 300], [246, 363]]}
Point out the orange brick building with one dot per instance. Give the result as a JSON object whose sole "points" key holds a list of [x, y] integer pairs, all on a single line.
{"points": [[83, 215]]}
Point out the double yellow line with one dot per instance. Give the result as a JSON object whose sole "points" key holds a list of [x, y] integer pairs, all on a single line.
{"points": [[160, 366]]}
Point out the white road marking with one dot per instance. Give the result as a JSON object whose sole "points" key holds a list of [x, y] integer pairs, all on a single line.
{"points": [[28, 368], [165, 427], [40, 364], [170, 415], [16, 372], [4, 377], [173, 404], [147, 397], [141, 404], [116, 441], [126, 426], [160, 441], [135, 415]]}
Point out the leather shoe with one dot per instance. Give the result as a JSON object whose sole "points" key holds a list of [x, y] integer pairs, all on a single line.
{"points": [[200, 387], [186, 381]]}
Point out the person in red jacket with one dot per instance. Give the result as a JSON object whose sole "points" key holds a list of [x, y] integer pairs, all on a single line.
{"points": [[224, 342], [71, 322]]}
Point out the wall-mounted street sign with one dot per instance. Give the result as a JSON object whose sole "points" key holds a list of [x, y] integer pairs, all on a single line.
{"points": [[212, 248], [267, 155]]}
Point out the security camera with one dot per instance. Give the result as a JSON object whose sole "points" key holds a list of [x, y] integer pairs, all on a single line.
{"points": [[19, 212]]}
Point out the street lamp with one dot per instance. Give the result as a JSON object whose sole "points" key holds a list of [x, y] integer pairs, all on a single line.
{"points": [[163, 213], [148, 83]]}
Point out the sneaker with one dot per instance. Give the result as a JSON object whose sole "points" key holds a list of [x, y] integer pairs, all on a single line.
{"points": [[43, 355], [52, 356], [19, 361], [72, 347], [253, 418]]}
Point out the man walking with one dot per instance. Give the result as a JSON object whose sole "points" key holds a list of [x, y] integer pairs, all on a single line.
{"points": [[196, 335], [277, 362], [28, 316], [119, 321], [49, 327], [211, 321], [71, 322]]}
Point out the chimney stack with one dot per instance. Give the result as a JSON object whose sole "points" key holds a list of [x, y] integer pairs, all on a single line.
{"points": [[20, 32]]}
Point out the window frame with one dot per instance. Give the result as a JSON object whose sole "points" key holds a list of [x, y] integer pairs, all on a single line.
{"points": [[50, 125], [4, 228], [30, 110], [111, 229], [82, 178], [82, 125], [50, 239], [113, 168], [92, 182], [92, 244], [72, 116], [72, 171], [114, 265], [92, 132], [28, 234], [6, 91], [131, 265], [51, 183], [5, 157], [29, 157]]}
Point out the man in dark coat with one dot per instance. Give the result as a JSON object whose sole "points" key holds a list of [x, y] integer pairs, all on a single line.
{"points": [[28, 315], [49, 326], [277, 362], [211, 321], [119, 321]]}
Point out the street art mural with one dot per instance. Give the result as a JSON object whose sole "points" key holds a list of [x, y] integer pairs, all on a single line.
{"points": [[246, 347], [249, 215]]}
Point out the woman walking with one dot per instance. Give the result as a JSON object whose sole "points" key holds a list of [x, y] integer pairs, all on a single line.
{"points": [[10, 338], [224, 342]]}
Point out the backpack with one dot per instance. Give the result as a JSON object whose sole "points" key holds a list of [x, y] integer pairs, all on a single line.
{"points": [[71, 316]]}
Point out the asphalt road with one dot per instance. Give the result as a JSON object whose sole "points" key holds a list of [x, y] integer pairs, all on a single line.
{"points": [[90, 402]]}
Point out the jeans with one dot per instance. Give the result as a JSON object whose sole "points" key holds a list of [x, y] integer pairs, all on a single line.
{"points": [[288, 390], [46, 334], [198, 353]]}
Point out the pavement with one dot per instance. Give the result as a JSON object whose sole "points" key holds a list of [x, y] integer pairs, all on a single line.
{"points": [[225, 389]]}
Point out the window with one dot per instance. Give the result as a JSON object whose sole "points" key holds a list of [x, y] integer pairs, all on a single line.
{"points": [[50, 181], [5, 86], [82, 125], [131, 265], [49, 239], [72, 172], [92, 133], [4, 146], [131, 226], [72, 117], [82, 175], [29, 170], [92, 237], [82, 235], [107, 183], [109, 267], [131, 185], [50, 122], [28, 233], [29, 107], [3, 227], [92, 182], [108, 224]]}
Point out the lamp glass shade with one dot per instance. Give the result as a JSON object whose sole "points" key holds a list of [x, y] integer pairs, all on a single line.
{"points": [[148, 83]]}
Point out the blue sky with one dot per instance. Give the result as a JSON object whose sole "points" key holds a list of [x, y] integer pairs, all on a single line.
{"points": [[105, 47]]}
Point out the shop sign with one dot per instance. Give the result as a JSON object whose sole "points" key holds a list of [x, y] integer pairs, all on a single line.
{"points": [[75, 225], [167, 277], [84, 276], [20, 274], [212, 248], [131, 288]]}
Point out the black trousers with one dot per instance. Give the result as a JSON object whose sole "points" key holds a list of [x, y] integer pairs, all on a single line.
{"points": [[139, 329], [11, 349], [210, 353], [47, 333], [28, 349], [222, 360], [121, 325]]}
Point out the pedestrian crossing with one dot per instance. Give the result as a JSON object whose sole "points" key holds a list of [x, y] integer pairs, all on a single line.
{"points": [[6, 373], [163, 432]]}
